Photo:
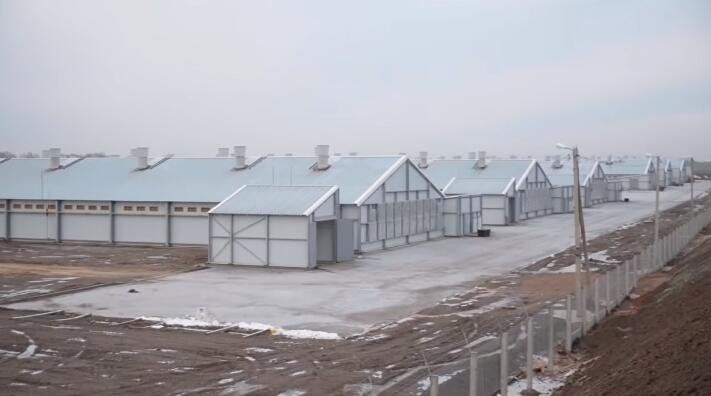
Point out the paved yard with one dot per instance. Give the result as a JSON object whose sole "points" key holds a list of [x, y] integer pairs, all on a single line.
{"points": [[349, 297]]}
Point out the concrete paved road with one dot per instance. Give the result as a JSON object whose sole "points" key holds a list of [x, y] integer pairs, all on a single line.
{"points": [[349, 297]]}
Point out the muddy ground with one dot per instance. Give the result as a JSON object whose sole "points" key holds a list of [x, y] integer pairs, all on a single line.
{"points": [[37, 270], [92, 354], [658, 344]]}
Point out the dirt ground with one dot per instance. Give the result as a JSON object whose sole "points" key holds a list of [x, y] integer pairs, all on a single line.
{"points": [[94, 354], [37, 270], [658, 344]]}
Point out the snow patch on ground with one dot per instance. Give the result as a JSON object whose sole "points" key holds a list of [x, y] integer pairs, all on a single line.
{"points": [[424, 384], [258, 350], [17, 293], [192, 322], [603, 257], [545, 386]]}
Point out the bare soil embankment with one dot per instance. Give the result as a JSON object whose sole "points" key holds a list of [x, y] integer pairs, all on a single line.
{"points": [[658, 344]]}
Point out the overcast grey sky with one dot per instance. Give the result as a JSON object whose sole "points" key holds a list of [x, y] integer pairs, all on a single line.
{"points": [[510, 77]]}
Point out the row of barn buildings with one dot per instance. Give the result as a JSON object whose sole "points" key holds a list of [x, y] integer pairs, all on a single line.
{"points": [[294, 211]]}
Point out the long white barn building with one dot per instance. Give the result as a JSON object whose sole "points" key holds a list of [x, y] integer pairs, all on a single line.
{"points": [[167, 200]]}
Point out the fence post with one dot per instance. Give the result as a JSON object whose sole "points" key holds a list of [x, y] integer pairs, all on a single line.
{"points": [[568, 324], [596, 300], [607, 293], [627, 276], [529, 354], [551, 337], [434, 385], [473, 374], [584, 317], [635, 272], [504, 363]]}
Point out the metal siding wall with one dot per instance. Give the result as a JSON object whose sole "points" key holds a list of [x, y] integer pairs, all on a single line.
{"points": [[139, 229], [33, 226], [398, 181], [191, 230], [288, 227], [85, 227], [220, 243], [493, 209], [289, 253], [3, 219], [326, 209]]}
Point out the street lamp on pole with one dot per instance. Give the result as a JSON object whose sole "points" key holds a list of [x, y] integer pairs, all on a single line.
{"points": [[655, 245], [580, 240]]}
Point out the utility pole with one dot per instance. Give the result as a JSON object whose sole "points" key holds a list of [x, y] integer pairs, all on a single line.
{"points": [[692, 182], [581, 252], [656, 214]]}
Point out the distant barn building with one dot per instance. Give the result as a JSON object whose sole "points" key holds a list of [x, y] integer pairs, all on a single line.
{"points": [[634, 174], [531, 189]]}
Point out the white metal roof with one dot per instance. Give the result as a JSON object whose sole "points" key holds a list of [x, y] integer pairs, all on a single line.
{"points": [[628, 167], [209, 179], [442, 171], [460, 185], [563, 176], [275, 200]]}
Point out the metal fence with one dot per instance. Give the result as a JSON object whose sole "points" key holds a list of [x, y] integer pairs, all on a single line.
{"points": [[495, 360]]}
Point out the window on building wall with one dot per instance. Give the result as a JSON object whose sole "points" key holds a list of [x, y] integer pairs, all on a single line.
{"points": [[68, 207], [104, 207], [51, 206], [2, 206], [178, 208], [153, 208], [204, 210], [39, 206], [128, 208], [192, 209], [140, 208], [81, 207], [16, 206], [28, 206], [93, 207]]}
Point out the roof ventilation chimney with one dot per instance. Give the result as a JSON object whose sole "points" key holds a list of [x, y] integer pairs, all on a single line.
{"points": [[609, 160], [240, 157], [423, 159], [353, 153], [288, 154], [457, 157], [223, 152], [54, 155], [321, 152], [481, 160], [556, 163], [471, 155], [141, 154], [548, 158]]}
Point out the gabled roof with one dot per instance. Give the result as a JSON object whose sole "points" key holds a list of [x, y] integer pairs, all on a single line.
{"points": [[275, 200], [675, 163], [441, 172], [628, 167], [176, 179], [464, 186], [563, 175]]}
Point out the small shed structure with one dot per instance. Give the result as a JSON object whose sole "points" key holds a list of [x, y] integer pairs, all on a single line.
{"points": [[497, 196], [283, 226]]}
